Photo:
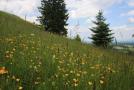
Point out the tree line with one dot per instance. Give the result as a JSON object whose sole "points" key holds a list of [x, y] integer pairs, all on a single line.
{"points": [[54, 16]]}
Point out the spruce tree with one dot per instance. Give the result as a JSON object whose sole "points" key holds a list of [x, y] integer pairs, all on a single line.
{"points": [[102, 35], [54, 16], [77, 38]]}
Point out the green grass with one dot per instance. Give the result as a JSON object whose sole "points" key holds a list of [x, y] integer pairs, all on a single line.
{"points": [[36, 60]]}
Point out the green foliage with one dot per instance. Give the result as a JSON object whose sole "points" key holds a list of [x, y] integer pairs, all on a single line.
{"points": [[54, 16], [77, 38], [37, 60], [102, 34]]}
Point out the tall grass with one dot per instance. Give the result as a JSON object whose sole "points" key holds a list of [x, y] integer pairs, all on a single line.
{"points": [[31, 59]]}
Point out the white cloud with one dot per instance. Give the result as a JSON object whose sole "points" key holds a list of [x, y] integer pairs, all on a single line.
{"points": [[131, 3], [131, 16], [131, 20], [129, 13], [123, 32], [21, 8], [87, 8], [77, 8], [84, 32]]}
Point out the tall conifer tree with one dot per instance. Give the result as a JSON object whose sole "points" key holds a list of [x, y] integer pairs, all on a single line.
{"points": [[102, 35], [54, 16]]}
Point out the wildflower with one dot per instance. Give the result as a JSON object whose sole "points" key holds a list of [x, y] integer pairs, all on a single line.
{"points": [[14, 49], [13, 77], [83, 63], [101, 82], [71, 72], [97, 66], [78, 75], [113, 71], [84, 72], [11, 42], [102, 77], [7, 56], [92, 67], [20, 88], [75, 80], [3, 70], [90, 83], [12, 52], [36, 83], [66, 75], [7, 52], [53, 56], [61, 62], [76, 84], [35, 67], [71, 54], [17, 79], [66, 83], [32, 34], [40, 63]]}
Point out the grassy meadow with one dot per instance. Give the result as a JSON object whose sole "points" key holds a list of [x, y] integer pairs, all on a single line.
{"points": [[31, 59]]}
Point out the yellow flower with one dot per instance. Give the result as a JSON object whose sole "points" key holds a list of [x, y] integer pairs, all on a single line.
{"points": [[78, 75], [3, 70], [54, 56], [17, 79], [92, 75], [71, 54], [92, 67], [84, 72], [12, 52], [75, 80], [66, 75], [76, 84], [101, 82], [113, 71], [71, 72], [36, 83], [14, 49], [13, 77], [7, 52], [90, 83], [20, 88]]}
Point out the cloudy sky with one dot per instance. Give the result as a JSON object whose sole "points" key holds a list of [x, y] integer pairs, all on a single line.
{"points": [[119, 13]]}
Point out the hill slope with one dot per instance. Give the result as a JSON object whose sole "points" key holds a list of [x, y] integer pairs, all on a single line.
{"points": [[31, 59]]}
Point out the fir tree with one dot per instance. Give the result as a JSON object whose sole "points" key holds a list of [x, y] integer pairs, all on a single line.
{"points": [[102, 35], [77, 38], [54, 16]]}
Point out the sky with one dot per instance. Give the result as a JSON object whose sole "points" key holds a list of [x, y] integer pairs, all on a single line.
{"points": [[118, 13]]}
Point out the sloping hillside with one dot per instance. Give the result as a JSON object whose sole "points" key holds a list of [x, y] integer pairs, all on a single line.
{"points": [[31, 59]]}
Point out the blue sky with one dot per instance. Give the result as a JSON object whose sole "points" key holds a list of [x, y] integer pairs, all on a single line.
{"points": [[119, 14]]}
